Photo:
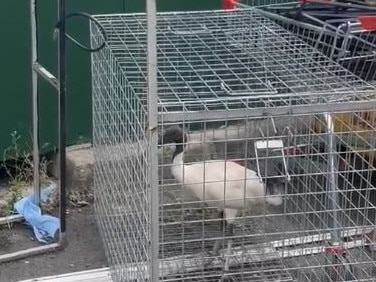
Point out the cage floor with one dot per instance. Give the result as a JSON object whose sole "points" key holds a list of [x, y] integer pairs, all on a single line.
{"points": [[317, 267], [253, 272], [191, 227], [271, 261], [195, 229]]}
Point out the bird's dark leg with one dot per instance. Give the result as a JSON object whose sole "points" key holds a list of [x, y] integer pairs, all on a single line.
{"points": [[230, 228], [229, 244], [222, 230], [223, 222]]}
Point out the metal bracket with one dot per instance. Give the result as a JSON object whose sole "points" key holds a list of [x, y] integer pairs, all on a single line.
{"points": [[277, 146]]}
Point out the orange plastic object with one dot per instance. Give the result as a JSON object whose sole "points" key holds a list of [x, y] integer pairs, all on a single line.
{"points": [[368, 22]]}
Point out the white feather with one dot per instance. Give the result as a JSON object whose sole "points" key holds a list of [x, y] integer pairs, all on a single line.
{"points": [[225, 185]]}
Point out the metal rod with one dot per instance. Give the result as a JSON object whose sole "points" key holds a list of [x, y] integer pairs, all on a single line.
{"points": [[11, 218], [153, 134], [96, 274], [333, 177], [345, 41], [35, 101], [49, 77], [62, 125], [256, 112], [29, 252]]}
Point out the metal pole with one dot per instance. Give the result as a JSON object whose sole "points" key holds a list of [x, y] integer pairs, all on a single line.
{"points": [[62, 125], [37, 69], [333, 177], [153, 134], [35, 100]]}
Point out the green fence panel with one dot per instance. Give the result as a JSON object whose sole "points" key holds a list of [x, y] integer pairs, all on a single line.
{"points": [[15, 73], [14, 70]]}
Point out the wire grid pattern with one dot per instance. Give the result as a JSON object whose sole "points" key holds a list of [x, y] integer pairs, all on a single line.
{"points": [[188, 229], [343, 40], [271, 239], [120, 170], [355, 143], [220, 60]]}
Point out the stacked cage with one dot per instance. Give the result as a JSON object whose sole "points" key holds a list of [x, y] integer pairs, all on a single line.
{"points": [[256, 175], [344, 31]]}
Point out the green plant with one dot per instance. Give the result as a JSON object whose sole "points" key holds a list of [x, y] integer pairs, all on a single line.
{"points": [[18, 165]]}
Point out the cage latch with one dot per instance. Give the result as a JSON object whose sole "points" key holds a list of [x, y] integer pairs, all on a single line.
{"points": [[277, 146]]}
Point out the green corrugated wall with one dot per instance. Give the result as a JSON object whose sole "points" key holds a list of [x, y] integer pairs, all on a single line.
{"points": [[15, 105]]}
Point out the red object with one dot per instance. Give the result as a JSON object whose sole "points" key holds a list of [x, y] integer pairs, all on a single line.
{"points": [[368, 22], [335, 250], [229, 4]]}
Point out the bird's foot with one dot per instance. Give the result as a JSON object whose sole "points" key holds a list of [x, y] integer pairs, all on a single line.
{"points": [[210, 256], [227, 262], [228, 254], [215, 251], [213, 254]]}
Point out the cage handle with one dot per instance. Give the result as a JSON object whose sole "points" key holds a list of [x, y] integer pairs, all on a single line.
{"points": [[90, 18], [204, 30], [274, 144]]}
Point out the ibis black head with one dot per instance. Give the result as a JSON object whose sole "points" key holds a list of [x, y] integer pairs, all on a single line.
{"points": [[173, 134]]}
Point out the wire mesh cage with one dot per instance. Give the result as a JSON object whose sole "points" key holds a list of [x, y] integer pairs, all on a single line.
{"points": [[343, 31], [251, 107]]}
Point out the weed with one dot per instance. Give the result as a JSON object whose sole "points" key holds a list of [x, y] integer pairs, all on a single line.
{"points": [[18, 165]]}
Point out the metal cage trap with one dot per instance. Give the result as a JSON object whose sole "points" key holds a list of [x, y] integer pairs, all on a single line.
{"points": [[235, 81]]}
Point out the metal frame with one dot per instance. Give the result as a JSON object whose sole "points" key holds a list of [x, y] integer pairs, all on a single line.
{"points": [[119, 72], [97, 275], [346, 40], [59, 84], [253, 253], [152, 96]]}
